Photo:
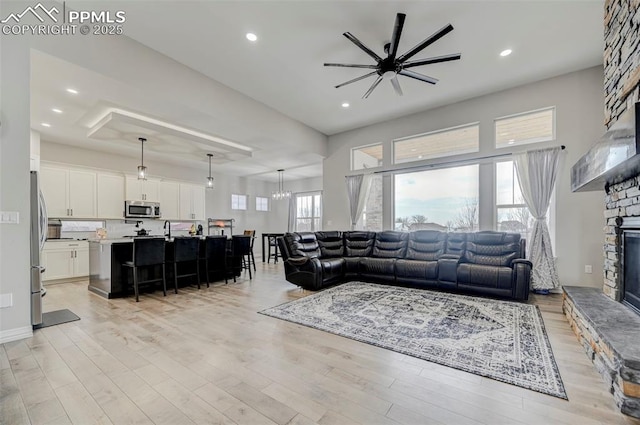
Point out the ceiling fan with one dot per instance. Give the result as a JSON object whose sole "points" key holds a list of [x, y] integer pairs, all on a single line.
{"points": [[390, 67]]}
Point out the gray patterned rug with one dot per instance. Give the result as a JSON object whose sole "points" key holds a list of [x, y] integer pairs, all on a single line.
{"points": [[502, 340]]}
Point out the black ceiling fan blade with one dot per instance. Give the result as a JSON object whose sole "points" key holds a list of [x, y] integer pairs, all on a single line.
{"points": [[351, 65], [396, 85], [430, 40], [417, 76], [362, 77], [358, 43], [373, 87], [395, 37], [435, 59]]}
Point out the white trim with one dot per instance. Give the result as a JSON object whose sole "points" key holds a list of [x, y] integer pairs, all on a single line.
{"points": [[16, 334]]}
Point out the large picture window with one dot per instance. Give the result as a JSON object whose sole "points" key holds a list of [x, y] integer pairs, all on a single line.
{"points": [[444, 199], [437, 144], [512, 215], [308, 212]]}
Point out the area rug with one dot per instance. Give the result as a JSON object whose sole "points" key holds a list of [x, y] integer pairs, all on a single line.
{"points": [[502, 340]]}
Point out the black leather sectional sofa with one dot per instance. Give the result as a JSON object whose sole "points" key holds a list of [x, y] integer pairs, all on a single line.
{"points": [[488, 263]]}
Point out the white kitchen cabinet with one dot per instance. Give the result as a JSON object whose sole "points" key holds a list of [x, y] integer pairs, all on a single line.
{"points": [[169, 198], [68, 192], [141, 190], [192, 202], [110, 196], [65, 259]]}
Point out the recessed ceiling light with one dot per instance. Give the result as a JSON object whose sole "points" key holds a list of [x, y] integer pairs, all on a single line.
{"points": [[506, 52], [419, 156], [56, 110], [251, 36], [45, 124], [345, 105], [72, 91]]}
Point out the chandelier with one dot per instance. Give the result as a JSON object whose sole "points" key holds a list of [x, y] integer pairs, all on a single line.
{"points": [[142, 170], [209, 179], [281, 193]]}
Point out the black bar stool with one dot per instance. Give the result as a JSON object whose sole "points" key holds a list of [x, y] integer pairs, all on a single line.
{"points": [[147, 253], [273, 244], [185, 250], [252, 259], [215, 257], [241, 254]]}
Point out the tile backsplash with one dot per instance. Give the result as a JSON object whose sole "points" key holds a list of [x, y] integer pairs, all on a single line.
{"points": [[120, 228]]}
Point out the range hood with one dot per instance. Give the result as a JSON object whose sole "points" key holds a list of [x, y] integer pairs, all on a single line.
{"points": [[613, 159]]}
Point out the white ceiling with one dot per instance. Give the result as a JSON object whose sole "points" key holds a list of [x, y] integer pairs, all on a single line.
{"points": [[284, 68]]}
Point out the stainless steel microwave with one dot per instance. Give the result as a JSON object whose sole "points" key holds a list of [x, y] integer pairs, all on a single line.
{"points": [[141, 209]]}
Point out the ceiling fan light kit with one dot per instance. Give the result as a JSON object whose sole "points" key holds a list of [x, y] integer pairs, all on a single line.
{"points": [[389, 67]]}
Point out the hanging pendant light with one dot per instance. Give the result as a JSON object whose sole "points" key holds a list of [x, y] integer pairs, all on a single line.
{"points": [[281, 193], [142, 170], [210, 179]]}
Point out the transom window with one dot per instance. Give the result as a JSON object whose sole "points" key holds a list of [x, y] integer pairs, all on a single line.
{"points": [[369, 156], [525, 128], [437, 144]]}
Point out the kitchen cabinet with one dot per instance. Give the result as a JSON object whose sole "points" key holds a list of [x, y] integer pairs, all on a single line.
{"points": [[192, 202], [110, 196], [141, 190], [68, 192], [169, 198], [65, 259]]}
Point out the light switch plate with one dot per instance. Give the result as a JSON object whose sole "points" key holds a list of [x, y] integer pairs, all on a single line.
{"points": [[588, 269], [9, 217], [6, 300]]}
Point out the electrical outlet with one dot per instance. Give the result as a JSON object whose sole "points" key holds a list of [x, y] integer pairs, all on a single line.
{"points": [[588, 269], [6, 300]]}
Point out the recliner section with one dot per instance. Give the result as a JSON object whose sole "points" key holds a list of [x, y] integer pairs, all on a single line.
{"points": [[490, 263]]}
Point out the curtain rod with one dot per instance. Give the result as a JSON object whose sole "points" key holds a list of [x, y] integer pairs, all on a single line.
{"points": [[458, 161]]}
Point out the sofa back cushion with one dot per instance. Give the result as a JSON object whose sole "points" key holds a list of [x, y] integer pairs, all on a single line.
{"points": [[456, 243], [390, 244], [358, 244], [426, 245], [331, 244], [492, 248], [302, 244]]}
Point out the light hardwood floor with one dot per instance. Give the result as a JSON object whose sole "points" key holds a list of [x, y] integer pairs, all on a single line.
{"points": [[206, 357]]}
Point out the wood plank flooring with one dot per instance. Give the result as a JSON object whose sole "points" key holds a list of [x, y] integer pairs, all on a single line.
{"points": [[206, 357]]}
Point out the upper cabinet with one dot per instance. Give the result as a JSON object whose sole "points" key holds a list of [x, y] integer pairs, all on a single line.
{"points": [[192, 202], [69, 193], [110, 196], [142, 190], [169, 198]]}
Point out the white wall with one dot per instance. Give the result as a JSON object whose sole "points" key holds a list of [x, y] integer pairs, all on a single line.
{"points": [[579, 102]]}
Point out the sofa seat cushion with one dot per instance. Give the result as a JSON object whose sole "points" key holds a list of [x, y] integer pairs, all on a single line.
{"points": [[351, 265], [332, 268], [417, 269], [377, 266], [485, 276]]}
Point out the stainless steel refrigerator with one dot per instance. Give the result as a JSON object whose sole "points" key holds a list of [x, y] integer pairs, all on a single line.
{"points": [[38, 237]]}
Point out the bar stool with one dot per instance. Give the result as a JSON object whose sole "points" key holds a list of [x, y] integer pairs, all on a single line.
{"points": [[241, 253], [273, 243], [215, 256], [185, 250], [147, 253], [252, 259]]}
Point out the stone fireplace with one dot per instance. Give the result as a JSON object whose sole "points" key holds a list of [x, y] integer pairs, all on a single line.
{"points": [[607, 321]]}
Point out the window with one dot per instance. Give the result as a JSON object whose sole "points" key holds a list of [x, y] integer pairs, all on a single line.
{"points": [[308, 212], [81, 226], [525, 128], [366, 157], [262, 204], [437, 144], [444, 199], [238, 202], [372, 213]]}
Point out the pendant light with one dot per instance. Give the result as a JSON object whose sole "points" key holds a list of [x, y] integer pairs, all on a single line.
{"points": [[210, 179], [142, 170], [281, 193]]}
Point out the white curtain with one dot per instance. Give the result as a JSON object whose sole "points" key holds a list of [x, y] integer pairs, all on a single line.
{"points": [[357, 192], [291, 223], [537, 172]]}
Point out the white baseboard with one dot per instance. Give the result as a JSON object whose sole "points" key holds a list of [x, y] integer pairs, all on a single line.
{"points": [[16, 334]]}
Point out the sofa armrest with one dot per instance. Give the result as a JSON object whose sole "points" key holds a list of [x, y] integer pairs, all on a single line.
{"points": [[297, 261], [449, 257], [521, 278]]}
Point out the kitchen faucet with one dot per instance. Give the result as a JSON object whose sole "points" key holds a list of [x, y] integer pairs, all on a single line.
{"points": [[165, 228]]}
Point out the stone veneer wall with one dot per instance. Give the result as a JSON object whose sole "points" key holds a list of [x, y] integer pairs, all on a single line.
{"points": [[621, 57]]}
